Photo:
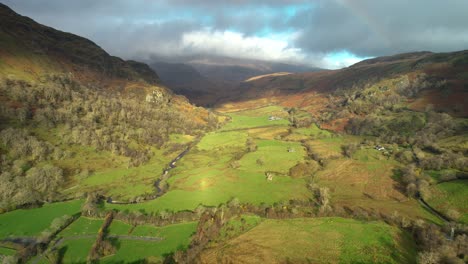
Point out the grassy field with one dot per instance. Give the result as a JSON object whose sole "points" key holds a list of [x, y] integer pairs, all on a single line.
{"points": [[324, 240], [78, 239], [125, 183], [272, 155], [76, 250], [451, 195], [31, 222], [7, 251], [220, 168], [206, 177], [367, 181], [82, 226], [174, 237], [257, 118], [222, 140], [119, 228]]}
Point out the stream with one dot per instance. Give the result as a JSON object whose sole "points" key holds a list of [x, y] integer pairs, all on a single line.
{"points": [[160, 184]]}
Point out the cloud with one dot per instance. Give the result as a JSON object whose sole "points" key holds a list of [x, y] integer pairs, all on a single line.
{"points": [[375, 28], [228, 43], [311, 32]]}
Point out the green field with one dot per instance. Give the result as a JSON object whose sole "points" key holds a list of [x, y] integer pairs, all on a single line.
{"points": [[82, 226], [76, 250], [451, 195], [323, 240], [31, 222], [174, 237], [7, 251], [257, 118], [206, 177], [220, 168], [119, 228], [126, 183], [218, 140]]}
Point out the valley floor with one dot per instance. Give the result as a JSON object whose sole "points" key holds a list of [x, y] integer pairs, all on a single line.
{"points": [[256, 160]]}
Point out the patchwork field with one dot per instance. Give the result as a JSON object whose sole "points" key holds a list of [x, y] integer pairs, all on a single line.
{"points": [[18, 223], [249, 159], [220, 168], [135, 250], [324, 240]]}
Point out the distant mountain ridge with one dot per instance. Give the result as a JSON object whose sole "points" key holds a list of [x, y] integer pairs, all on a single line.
{"points": [[204, 79]]}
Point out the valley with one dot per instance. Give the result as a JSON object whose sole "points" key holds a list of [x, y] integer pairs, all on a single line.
{"points": [[103, 160]]}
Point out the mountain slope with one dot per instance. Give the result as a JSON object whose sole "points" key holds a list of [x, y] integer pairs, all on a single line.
{"points": [[70, 112], [437, 79], [186, 80], [46, 49]]}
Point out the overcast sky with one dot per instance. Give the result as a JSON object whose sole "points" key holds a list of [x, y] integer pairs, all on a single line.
{"points": [[330, 34]]}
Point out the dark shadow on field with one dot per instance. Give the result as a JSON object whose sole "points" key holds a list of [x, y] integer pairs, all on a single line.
{"points": [[114, 242], [396, 176], [61, 253]]}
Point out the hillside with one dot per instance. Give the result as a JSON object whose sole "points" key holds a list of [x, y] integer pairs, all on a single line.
{"points": [[437, 79], [65, 101], [186, 80]]}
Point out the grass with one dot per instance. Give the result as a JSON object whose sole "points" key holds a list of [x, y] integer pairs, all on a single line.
{"points": [[119, 228], [257, 118], [451, 195], [268, 132], [222, 140], [181, 139], [237, 226], [82, 226], [207, 177], [76, 251], [126, 183], [272, 155], [7, 251], [31, 222], [174, 237], [319, 240], [366, 181]]}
